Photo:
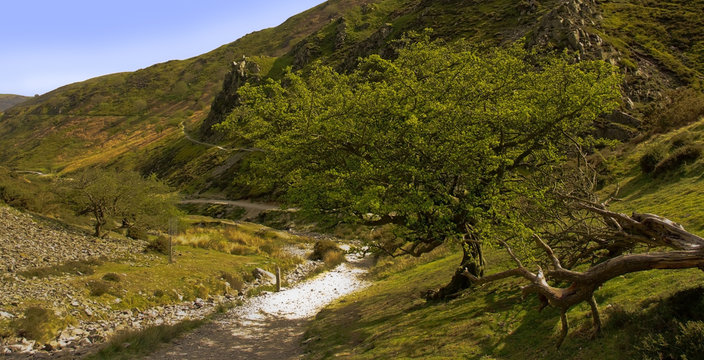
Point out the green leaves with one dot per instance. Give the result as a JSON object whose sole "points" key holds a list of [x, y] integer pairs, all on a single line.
{"points": [[439, 137]]}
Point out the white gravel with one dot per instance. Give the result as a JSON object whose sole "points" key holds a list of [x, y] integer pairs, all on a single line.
{"points": [[269, 326], [305, 299]]}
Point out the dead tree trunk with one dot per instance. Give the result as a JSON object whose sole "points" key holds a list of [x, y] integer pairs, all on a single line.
{"points": [[640, 228]]}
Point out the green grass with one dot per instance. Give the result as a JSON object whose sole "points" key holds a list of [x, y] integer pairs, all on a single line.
{"points": [[666, 31], [391, 320], [676, 194], [132, 344]]}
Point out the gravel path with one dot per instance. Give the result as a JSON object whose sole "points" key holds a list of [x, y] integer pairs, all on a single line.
{"points": [[270, 326]]}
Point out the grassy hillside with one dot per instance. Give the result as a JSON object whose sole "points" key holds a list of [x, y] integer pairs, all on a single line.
{"points": [[132, 119], [391, 320], [102, 119], [8, 100]]}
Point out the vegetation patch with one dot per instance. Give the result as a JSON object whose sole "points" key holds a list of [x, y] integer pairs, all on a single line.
{"points": [[83, 267], [38, 323], [131, 344]]}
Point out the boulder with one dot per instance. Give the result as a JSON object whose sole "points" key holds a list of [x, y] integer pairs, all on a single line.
{"points": [[265, 276]]}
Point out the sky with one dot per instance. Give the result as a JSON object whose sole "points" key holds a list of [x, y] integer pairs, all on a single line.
{"points": [[50, 43]]}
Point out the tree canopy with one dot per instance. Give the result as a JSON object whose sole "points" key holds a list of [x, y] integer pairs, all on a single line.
{"points": [[436, 142], [121, 197]]}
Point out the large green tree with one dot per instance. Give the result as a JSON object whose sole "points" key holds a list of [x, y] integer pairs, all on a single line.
{"points": [[121, 198], [435, 143]]}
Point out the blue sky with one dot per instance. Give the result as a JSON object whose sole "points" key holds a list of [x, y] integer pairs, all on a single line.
{"points": [[49, 43]]}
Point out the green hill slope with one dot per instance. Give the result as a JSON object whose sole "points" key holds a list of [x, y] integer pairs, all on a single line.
{"points": [[132, 119], [102, 119], [8, 100]]}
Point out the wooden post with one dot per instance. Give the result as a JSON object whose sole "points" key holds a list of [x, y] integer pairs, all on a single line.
{"points": [[173, 228], [278, 279]]}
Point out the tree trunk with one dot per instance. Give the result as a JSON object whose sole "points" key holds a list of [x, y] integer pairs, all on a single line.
{"points": [[98, 228], [473, 262]]}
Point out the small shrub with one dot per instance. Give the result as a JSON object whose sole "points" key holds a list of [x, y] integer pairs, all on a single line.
{"points": [[160, 245], [159, 293], [112, 277], [687, 343], [333, 258], [237, 249], [678, 108], [201, 291], [681, 140], [99, 287], [234, 280], [37, 323], [651, 158], [137, 233], [322, 247], [267, 248], [678, 158]]}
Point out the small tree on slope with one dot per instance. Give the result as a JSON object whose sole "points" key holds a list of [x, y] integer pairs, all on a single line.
{"points": [[115, 196]]}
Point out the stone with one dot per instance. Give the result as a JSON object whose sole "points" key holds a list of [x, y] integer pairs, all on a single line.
{"points": [[264, 275], [6, 315]]}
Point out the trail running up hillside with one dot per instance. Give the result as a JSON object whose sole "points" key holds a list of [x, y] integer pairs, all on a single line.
{"points": [[196, 141], [268, 326]]}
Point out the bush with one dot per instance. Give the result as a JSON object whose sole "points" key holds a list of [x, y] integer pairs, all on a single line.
{"points": [[681, 140], [137, 233], [678, 108], [99, 287], [322, 247], [652, 158], [159, 293], [112, 277], [237, 249], [37, 323], [234, 280], [681, 156], [687, 343], [160, 245], [333, 258]]}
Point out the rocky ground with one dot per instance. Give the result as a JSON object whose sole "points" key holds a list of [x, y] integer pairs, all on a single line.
{"points": [[27, 243]]}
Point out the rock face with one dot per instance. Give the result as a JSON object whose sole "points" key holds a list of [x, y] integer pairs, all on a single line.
{"points": [[566, 27], [26, 243], [241, 72]]}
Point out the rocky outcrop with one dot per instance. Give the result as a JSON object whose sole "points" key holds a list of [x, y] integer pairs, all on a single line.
{"points": [[241, 72], [566, 26]]}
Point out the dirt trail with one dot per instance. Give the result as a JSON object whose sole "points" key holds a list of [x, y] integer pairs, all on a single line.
{"points": [[252, 209], [268, 326]]}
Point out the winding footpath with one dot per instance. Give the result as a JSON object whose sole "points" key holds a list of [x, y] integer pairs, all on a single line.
{"points": [[269, 326]]}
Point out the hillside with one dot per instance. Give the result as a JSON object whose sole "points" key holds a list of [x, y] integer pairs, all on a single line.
{"points": [[99, 120], [132, 119], [7, 101]]}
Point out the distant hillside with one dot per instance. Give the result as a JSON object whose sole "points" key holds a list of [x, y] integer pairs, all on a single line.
{"points": [[102, 119], [132, 119], [7, 101]]}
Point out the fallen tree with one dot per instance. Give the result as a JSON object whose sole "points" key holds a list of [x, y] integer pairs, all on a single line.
{"points": [[687, 251]]}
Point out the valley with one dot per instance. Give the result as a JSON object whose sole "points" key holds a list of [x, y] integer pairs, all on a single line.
{"points": [[433, 180]]}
